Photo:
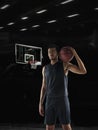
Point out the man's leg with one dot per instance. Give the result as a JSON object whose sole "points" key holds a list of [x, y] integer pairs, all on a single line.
{"points": [[66, 127], [50, 127]]}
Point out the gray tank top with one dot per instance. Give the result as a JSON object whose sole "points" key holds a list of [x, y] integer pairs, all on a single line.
{"points": [[56, 80]]}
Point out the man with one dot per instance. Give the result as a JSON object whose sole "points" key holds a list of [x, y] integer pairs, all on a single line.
{"points": [[54, 87]]}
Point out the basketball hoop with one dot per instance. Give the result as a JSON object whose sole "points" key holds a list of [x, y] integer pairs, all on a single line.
{"points": [[33, 64]]}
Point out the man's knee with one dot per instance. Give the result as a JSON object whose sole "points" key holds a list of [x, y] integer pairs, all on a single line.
{"points": [[66, 127], [50, 127]]}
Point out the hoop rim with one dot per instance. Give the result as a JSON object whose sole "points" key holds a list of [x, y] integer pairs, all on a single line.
{"points": [[33, 65]]}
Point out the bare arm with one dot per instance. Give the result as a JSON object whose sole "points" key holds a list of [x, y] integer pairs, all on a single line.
{"points": [[42, 94], [43, 88], [80, 69]]}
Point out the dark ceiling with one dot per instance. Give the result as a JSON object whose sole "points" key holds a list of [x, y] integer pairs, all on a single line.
{"points": [[71, 21], [85, 16]]}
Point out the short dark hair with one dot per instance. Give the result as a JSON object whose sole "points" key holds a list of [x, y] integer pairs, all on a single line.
{"points": [[54, 46]]}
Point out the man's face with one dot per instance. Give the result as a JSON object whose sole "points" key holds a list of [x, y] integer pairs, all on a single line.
{"points": [[52, 53]]}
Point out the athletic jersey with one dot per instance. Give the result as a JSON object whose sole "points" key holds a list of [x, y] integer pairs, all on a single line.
{"points": [[56, 80]]}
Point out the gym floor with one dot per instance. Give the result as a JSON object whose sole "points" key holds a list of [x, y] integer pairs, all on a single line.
{"points": [[41, 127]]}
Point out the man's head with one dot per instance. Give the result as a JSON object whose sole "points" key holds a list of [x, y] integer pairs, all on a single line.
{"points": [[53, 51]]}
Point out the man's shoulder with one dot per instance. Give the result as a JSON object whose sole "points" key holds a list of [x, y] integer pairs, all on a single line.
{"points": [[46, 65]]}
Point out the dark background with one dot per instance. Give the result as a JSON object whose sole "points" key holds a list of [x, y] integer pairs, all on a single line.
{"points": [[19, 85]]}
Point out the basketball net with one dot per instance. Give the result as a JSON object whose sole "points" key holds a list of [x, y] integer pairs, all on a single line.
{"points": [[33, 64]]}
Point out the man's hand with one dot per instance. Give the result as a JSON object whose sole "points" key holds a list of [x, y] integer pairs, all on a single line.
{"points": [[73, 50], [41, 109]]}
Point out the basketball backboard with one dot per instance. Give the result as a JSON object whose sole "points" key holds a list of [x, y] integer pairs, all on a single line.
{"points": [[25, 54]]}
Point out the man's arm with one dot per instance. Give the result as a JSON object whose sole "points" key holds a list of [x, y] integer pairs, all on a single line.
{"points": [[43, 88], [80, 69], [42, 94]]}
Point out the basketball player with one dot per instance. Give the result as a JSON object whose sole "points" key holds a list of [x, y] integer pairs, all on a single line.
{"points": [[54, 87]]}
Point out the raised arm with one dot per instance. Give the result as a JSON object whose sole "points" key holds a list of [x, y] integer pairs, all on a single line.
{"points": [[78, 69]]}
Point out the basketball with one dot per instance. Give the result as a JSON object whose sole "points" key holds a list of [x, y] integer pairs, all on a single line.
{"points": [[66, 54]]}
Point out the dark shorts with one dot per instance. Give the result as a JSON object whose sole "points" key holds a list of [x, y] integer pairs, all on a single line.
{"points": [[57, 108]]}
